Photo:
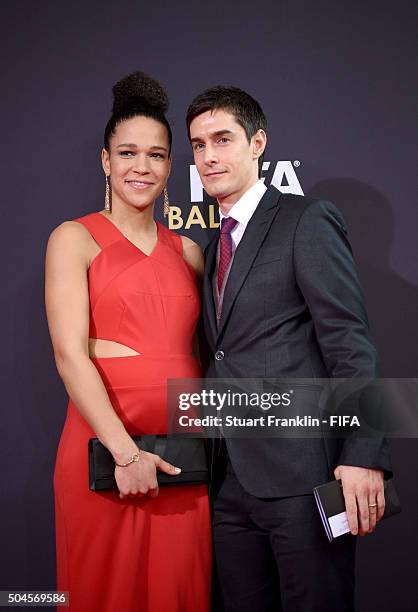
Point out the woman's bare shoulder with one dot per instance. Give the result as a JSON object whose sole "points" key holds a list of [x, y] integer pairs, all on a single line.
{"points": [[69, 230], [193, 254], [71, 238]]}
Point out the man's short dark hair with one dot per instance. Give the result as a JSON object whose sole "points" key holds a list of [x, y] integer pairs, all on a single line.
{"points": [[246, 110]]}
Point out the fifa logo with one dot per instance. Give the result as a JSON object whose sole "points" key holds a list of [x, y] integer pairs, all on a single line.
{"points": [[284, 178]]}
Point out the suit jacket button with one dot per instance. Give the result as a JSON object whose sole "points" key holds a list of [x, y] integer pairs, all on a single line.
{"points": [[219, 355]]}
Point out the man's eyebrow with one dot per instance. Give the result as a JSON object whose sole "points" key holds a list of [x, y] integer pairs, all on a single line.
{"points": [[222, 132], [213, 135]]}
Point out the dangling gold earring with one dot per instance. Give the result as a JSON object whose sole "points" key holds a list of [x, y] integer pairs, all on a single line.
{"points": [[108, 204], [166, 205]]}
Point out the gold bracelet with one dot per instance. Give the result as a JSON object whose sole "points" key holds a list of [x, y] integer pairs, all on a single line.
{"points": [[133, 459]]}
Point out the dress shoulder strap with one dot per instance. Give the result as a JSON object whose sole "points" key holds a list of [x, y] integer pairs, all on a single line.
{"points": [[171, 239], [103, 231]]}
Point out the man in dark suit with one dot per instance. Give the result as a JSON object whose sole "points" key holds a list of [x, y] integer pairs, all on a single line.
{"points": [[281, 300]]}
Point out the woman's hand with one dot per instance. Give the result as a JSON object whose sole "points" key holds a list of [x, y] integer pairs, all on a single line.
{"points": [[140, 477]]}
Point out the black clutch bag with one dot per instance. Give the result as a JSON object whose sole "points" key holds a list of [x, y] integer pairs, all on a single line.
{"points": [[189, 454], [331, 505]]}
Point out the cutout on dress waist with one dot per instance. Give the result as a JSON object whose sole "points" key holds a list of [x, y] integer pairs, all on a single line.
{"points": [[108, 348]]}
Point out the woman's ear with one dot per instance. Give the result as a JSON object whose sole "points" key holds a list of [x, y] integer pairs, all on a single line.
{"points": [[105, 162]]}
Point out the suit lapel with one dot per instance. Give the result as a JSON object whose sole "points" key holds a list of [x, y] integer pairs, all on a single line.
{"points": [[208, 302], [247, 250]]}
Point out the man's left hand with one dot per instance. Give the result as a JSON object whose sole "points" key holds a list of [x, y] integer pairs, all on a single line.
{"points": [[364, 497]]}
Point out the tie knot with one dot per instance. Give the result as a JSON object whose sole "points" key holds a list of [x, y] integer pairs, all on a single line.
{"points": [[227, 225]]}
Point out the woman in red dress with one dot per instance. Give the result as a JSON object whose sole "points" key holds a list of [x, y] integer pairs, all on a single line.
{"points": [[122, 303]]}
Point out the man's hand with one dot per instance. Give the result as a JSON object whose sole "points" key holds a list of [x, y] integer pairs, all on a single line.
{"points": [[364, 497]]}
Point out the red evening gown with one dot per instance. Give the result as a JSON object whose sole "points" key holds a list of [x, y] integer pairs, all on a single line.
{"points": [[135, 554]]}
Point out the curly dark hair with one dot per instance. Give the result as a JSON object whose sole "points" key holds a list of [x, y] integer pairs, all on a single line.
{"points": [[246, 110], [137, 95]]}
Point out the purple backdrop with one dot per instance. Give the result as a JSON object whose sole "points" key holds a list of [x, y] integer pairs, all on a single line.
{"points": [[336, 81]]}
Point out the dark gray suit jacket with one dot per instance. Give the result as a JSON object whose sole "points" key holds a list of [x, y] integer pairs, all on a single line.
{"points": [[293, 308]]}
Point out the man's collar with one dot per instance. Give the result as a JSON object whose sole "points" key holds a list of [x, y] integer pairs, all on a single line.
{"points": [[244, 208]]}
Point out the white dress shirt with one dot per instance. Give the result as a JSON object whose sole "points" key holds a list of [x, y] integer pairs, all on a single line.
{"points": [[243, 210]]}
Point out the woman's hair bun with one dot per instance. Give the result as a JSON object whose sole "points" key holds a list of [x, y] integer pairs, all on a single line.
{"points": [[139, 91]]}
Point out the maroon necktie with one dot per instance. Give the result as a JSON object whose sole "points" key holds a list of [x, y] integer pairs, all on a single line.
{"points": [[225, 248]]}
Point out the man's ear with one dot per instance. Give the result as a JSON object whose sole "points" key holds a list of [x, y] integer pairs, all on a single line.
{"points": [[105, 162], [258, 143]]}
